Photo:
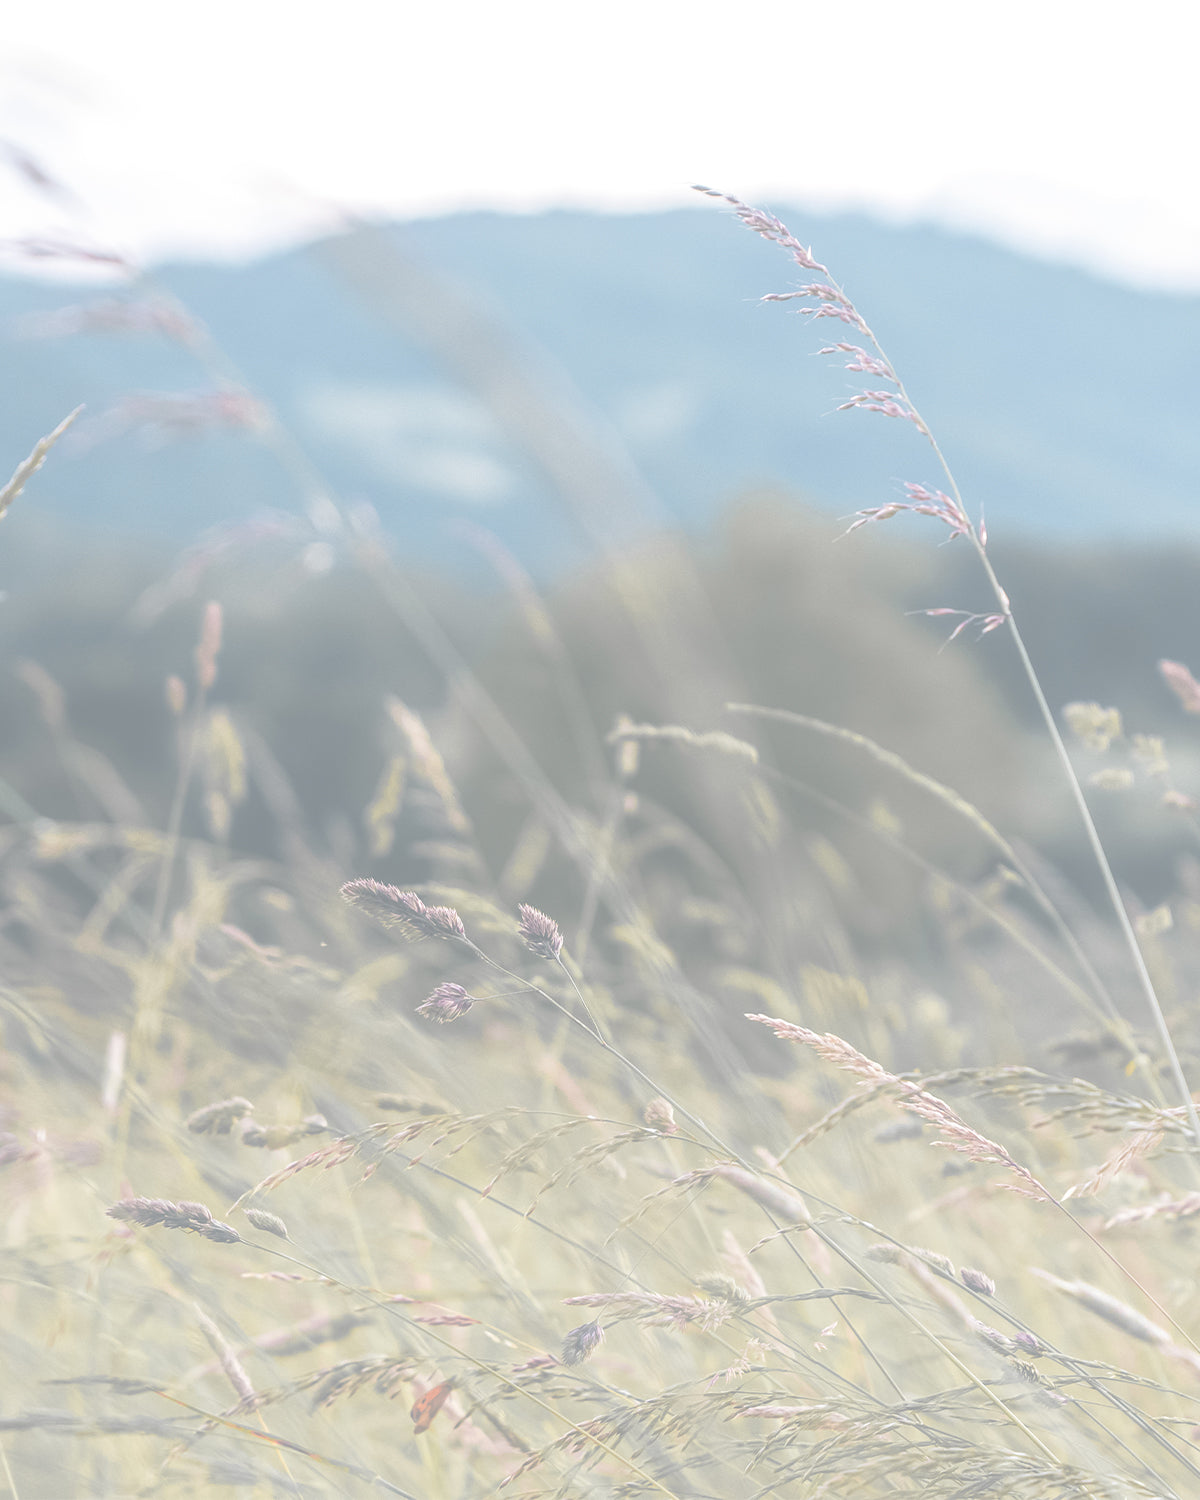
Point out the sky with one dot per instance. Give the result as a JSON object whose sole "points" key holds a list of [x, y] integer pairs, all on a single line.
{"points": [[1066, 128]]}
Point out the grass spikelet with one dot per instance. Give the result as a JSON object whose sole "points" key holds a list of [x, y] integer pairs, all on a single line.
{"points": [[1108, 1307], [402, 910], [448, 1002], [268, 1223], [656, 1311], [527, 1153], [219, 1118], [194, 1218], [276, 1137], [386, 1374], [379, 1140], [954, 1131], [581, 1343], [588, 1157], [408, 1104], [775, 1198], [540, 933], [1165, 1208], [28, 467], [1140, 1144], [231, 1365]]}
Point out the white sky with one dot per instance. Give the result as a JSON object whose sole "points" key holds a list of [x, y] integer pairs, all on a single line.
{"points": [[1069, 129]]}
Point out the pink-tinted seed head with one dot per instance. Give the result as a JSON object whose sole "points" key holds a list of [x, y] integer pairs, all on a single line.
{"points": [[540, 933], [447, 1003], [392, 907]]}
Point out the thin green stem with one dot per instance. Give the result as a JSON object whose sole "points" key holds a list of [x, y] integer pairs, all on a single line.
{"points": [[482, 1365], [1145, 982], [599, 1039], [978, 542]]}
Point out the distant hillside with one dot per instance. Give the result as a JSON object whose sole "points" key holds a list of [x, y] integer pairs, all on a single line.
{"points": [[486, 366]]}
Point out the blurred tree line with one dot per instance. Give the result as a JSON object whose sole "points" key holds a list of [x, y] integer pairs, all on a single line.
{"points": [[767, 609]]}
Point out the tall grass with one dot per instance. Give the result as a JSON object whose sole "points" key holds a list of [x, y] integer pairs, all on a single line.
{"points": [[626, 1151]]}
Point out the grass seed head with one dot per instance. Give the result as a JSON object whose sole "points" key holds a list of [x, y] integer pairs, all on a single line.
{"points": [[582, 1342], [219, 1118], [268, 1223], [392, 907], [161, 1212], [540, 933], [447, 1003]]}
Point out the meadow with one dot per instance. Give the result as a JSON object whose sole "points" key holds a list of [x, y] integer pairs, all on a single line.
{"points": [[719, 1027]]}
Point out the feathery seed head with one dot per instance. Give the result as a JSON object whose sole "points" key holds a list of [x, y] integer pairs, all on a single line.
{"points": [[403, 909], [540, 933], [268, 1223], [444, 921], [447, 1003], [582, 1342], [192, 1217], [219, 1118]]}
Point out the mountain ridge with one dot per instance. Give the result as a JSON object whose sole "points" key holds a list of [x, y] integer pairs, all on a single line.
{"points": [[1064, 402]]}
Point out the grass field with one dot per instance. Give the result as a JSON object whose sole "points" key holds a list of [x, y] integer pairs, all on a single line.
{"points": [[450, 1051]]}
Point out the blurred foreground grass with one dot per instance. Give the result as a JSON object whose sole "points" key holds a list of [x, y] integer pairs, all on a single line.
{"points": [[777, 1265]]}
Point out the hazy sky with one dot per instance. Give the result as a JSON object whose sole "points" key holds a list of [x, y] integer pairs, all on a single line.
{"points": [[1067, 128]]}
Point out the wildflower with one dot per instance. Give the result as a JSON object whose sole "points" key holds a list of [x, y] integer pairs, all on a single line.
{"points": [[977, 1281], [404, 909], [540, 933], [582, 1342], [447, 1003]]}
